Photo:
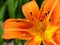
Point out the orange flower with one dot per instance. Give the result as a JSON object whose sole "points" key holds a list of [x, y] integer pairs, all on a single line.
{"points": [[39, 26]]}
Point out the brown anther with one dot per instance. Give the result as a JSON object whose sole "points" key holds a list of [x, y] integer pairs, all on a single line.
{"points": [[49, 19], [48, 12], [41, 19], [31, 13]]}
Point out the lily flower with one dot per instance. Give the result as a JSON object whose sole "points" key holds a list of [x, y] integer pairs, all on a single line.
{"points": [[40, 26]]}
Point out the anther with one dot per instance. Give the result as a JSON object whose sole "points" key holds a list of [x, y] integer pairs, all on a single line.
{"points": [[31, 13], [48, 11], [41, 19], [49, 19]]}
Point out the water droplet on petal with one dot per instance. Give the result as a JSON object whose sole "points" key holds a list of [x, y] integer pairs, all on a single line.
{"points": [[24, 34]]}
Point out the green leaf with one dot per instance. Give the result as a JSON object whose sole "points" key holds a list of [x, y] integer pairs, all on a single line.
{"points": [[2, 11], [11, 8], [20, 3], [1, 31], [19, 10], [25, 1], [23, 41], [20, 15], [12, 5], [16, 42], [16, 4], [39, 2]]}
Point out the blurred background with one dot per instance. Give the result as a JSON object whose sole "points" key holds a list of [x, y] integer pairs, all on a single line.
{"points": [[12, 9]]}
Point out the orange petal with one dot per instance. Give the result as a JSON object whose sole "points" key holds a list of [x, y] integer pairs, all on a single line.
{"points": [[32, 42], [48, 43], [46, 6], [56, 15], [55, 39], [22, 35], [56, 36], [17, 24], [30, 10], [18, 28], [55, 11], [50, 34]]}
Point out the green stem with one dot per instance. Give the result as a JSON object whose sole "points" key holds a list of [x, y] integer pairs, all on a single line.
{"points": [[16, 42], [23, 42]]}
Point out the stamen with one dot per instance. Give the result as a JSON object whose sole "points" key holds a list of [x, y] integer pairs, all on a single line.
{"points": [[46, 13], [42, 6], [49, 20], [52, 9], [41, 19], [31, 13]]}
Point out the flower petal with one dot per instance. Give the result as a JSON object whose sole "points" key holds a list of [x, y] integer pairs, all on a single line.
{"points": [[55, 17], [50, 35], [17, 23], [48, 43], [51, 10], [17, 34], [18, 28], [45, 8], [49, 32], [55, 39], [35, 41], [56, 36], [31, 42], [30, 10]]}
